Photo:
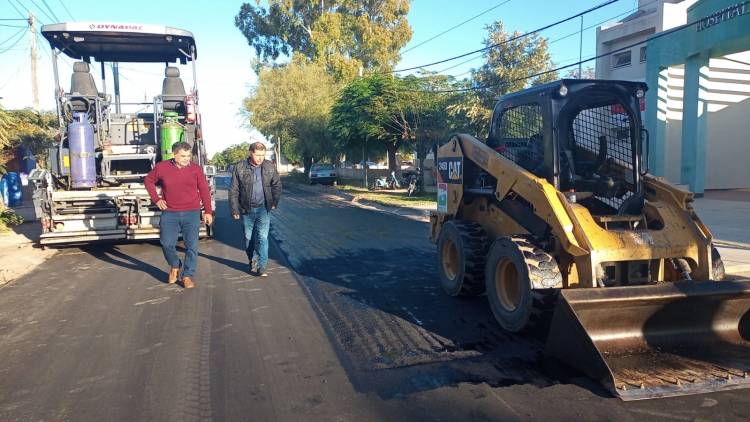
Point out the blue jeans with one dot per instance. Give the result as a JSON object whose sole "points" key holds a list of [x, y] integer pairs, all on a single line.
{"points": [[257, 222], [170, 225]]}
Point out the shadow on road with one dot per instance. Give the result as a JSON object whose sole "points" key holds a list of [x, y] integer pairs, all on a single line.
{"points": [[112, 254], [397, 332]]}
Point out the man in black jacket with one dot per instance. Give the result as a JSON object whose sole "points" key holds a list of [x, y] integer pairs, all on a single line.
{"points": [[254, 192]]}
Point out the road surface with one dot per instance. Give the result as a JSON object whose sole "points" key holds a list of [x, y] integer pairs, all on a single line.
{"points": [[351, 325]]}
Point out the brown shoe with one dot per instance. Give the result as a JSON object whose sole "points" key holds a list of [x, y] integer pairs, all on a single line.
{"points": [[187, 282], [173, 274]]}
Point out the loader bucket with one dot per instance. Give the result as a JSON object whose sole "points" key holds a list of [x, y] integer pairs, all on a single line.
{"points": [[654, 341]]}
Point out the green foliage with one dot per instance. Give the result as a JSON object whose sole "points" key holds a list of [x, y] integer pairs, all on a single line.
{"points": [[587, 73], [28, 128], [6, 122], [231, 155], [342, 35], [293, 103], [9, 218], [298, 103], [507, 68], [376, 107]]}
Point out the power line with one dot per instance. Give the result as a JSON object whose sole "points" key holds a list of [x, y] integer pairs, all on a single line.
{"points": [[455, 26], [19, 12], [13, 75], [50, 10], [577, 15], [13, 36], [42, 10], [557, 69], [556, 39], [28, 12], [62, 3], [14, 43], [12, 26]]}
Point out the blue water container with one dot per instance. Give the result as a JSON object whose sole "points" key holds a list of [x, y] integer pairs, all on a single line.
{"points": [[14, 196], [81, 144], [4, 190], [27, 158]]}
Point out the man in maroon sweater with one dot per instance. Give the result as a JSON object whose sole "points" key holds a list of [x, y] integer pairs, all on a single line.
{"points": [[183, 189]]}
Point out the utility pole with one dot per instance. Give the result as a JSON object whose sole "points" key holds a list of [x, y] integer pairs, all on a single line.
{"points": [[278, 154], [580, 52], [34, 87]]}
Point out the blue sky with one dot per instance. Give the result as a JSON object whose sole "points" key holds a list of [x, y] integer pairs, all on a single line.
{"points": [[224, 74]]}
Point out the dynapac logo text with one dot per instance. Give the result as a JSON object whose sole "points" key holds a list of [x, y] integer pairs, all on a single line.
{"points": [[115, 26]]}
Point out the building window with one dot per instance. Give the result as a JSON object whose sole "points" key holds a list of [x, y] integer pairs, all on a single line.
{"points": [[621, 59], [643, 54]]}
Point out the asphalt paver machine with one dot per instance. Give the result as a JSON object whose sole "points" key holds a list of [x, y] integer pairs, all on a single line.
{"points": [[93, 187]]}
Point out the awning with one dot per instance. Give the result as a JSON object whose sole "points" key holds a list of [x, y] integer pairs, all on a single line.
{"points": [[121, 42]]}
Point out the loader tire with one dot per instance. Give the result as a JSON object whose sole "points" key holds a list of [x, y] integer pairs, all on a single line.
{"points": [[514, 266], [462, 247], [717, 265]]}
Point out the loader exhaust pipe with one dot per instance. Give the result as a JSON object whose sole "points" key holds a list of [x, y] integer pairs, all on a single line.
{"points": [[654, 341]]}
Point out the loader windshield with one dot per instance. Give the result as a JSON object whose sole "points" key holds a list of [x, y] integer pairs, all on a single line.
{"points": [[599, 151]]}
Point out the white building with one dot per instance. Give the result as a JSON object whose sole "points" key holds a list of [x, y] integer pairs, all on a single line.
{"points": [[653, 16], [720, 161]]}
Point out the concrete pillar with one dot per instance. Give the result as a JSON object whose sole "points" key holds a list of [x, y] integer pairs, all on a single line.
{"points": [[694, 122], [656, 117]]}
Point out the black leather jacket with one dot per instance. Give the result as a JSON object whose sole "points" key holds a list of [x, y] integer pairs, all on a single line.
{"points": [[241, 188]]}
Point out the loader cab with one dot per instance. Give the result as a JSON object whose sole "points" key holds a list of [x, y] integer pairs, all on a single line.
{"points": [[582, 136]]}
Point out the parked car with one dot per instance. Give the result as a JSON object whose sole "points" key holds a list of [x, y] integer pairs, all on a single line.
{"points": [[371, 165], [322, 173]]}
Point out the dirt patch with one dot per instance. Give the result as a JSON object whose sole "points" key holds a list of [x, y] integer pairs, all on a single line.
{"points": [[19, 252]]}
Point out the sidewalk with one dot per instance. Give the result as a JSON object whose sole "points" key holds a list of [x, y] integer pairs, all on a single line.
{"points": [[19, 253], [727, 215]]}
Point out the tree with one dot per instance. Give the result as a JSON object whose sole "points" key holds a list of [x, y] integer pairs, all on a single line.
{"points": [[32, 130], [6, 123], [430, 109], [588, 73], [342, 35], [294, 102], [231, 155], [511, 63], [27, 128], [377, 107]]}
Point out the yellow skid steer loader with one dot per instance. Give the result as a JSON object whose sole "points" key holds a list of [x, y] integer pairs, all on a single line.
{"points": [[556, 213]]}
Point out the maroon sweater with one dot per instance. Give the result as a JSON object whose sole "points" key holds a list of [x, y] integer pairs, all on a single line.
{"points": [[183, 188]]}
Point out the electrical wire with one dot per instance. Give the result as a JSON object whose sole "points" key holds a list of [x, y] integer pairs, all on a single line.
{"points": [[50, 10], [42, 10], [606, 3], [455, 26], [62, 3], [559, 68], [16, 34], [19, 12], [13, 75], [557, 39]]}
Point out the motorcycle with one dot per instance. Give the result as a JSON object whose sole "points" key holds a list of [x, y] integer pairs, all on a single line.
{"points": [[413, 185], [391, 182]]}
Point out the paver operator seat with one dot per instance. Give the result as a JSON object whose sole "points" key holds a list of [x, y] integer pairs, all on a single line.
{"points": [[82, 87], [173, 91]]}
